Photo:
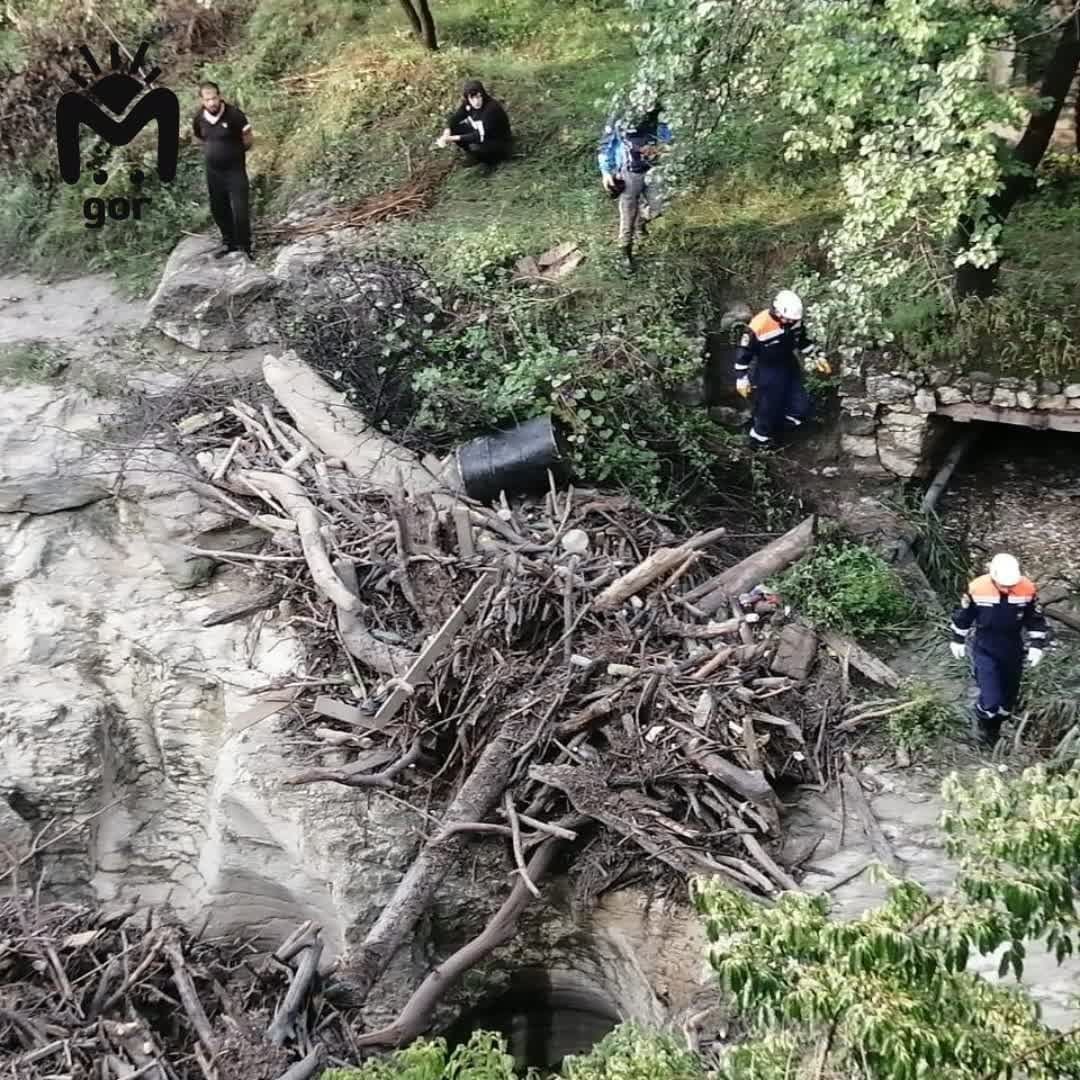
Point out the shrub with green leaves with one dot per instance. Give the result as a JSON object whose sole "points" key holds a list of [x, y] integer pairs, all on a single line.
{"points": [[923, 717], [888, 996], [629, 1052], [483, 1057], [850, 588]]}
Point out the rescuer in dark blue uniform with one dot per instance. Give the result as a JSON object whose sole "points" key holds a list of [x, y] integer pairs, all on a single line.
{"points": [[767, 364], [994, 614]]}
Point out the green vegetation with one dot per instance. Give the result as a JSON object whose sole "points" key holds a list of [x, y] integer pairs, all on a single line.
{"points": [[922, 719], [627, 1053], [850, 588], [30, 361], [484, 1057], [888, 996]]}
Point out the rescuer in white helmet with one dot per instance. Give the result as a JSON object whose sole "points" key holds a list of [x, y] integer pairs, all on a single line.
{"points": [[768, 366], [994, 615]]}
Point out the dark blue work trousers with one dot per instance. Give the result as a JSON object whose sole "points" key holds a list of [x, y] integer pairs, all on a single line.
{"points": [[779, 396], [997, 675]]}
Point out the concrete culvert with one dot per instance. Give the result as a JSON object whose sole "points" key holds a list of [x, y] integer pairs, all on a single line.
{"points": [[543, 1015]]}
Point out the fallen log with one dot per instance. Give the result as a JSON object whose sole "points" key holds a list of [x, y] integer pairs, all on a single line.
{"points": [[862, 661], [475, 800], [375, 654], [756, 568], [749, 784], [415, 1018], [325, 417], [283, 1026], [646, 572], [878, 841], [301, 509], [590, 795]]}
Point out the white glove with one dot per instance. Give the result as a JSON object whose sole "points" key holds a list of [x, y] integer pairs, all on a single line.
{"points": [[959, 650], [742, 386], [1034, 656]]}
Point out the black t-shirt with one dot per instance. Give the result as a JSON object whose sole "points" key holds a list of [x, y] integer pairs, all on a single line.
{"points": [[223, 145]]}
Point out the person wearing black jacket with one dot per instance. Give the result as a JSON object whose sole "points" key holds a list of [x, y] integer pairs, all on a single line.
{"points": [[479, 127], [224, 134]]}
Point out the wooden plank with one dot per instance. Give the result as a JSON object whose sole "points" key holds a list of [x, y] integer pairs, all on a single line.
{"points": [[431, 652], [464, 531], [338, 710], [1038, 419], [862, 661]]}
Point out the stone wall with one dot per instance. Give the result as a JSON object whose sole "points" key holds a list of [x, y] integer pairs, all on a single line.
{"points": [[889, 409]]}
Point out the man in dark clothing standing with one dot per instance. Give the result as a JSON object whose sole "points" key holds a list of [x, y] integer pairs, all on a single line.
{"points": [[479, 127], [225, 136]]}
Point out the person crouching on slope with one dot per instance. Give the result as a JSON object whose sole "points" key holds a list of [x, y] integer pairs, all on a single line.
{"points": [[627, 155], [479, 127], [767, 365], [993, 616]]}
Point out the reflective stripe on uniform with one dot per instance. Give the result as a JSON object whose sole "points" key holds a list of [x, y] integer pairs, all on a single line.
{"points": [[962, 633]]}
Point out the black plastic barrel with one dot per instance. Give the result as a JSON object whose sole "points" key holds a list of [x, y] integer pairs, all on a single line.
{"points": [[515, 461]]}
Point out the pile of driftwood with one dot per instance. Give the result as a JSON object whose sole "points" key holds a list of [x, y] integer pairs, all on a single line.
{"points": [[565, 675], [91, 995]]}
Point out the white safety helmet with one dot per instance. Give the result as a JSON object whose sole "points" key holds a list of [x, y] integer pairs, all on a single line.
{"points": [[787, 305], [1005, 570]]}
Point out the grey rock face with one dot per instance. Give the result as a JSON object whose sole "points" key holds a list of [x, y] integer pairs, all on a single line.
{"points": [[213, 305], [49, 457]]}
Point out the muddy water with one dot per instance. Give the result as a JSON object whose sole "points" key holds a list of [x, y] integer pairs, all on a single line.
{"points": [[71, 313]]}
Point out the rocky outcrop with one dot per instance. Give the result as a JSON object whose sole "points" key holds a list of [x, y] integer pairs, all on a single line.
{"points": [[217, 305], [50, 454], [213, 305]]}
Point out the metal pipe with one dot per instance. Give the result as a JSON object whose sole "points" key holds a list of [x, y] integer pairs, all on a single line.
{"points": [[902, 551]]}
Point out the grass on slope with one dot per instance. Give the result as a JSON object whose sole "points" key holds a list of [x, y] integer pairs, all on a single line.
{"points": [[342, 98]]}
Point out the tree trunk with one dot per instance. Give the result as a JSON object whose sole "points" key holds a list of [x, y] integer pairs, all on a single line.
{"points": [[414, 19], [1076, 112], [427, 24], [474, 801], [755, 568], [423, 24], [1028, 152]]}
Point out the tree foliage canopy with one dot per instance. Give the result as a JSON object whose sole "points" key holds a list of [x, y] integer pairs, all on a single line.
{"points": [[896, 93], [889, 996]]}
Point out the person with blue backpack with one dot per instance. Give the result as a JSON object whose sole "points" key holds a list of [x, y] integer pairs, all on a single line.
{"points": [[627, 154]]}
